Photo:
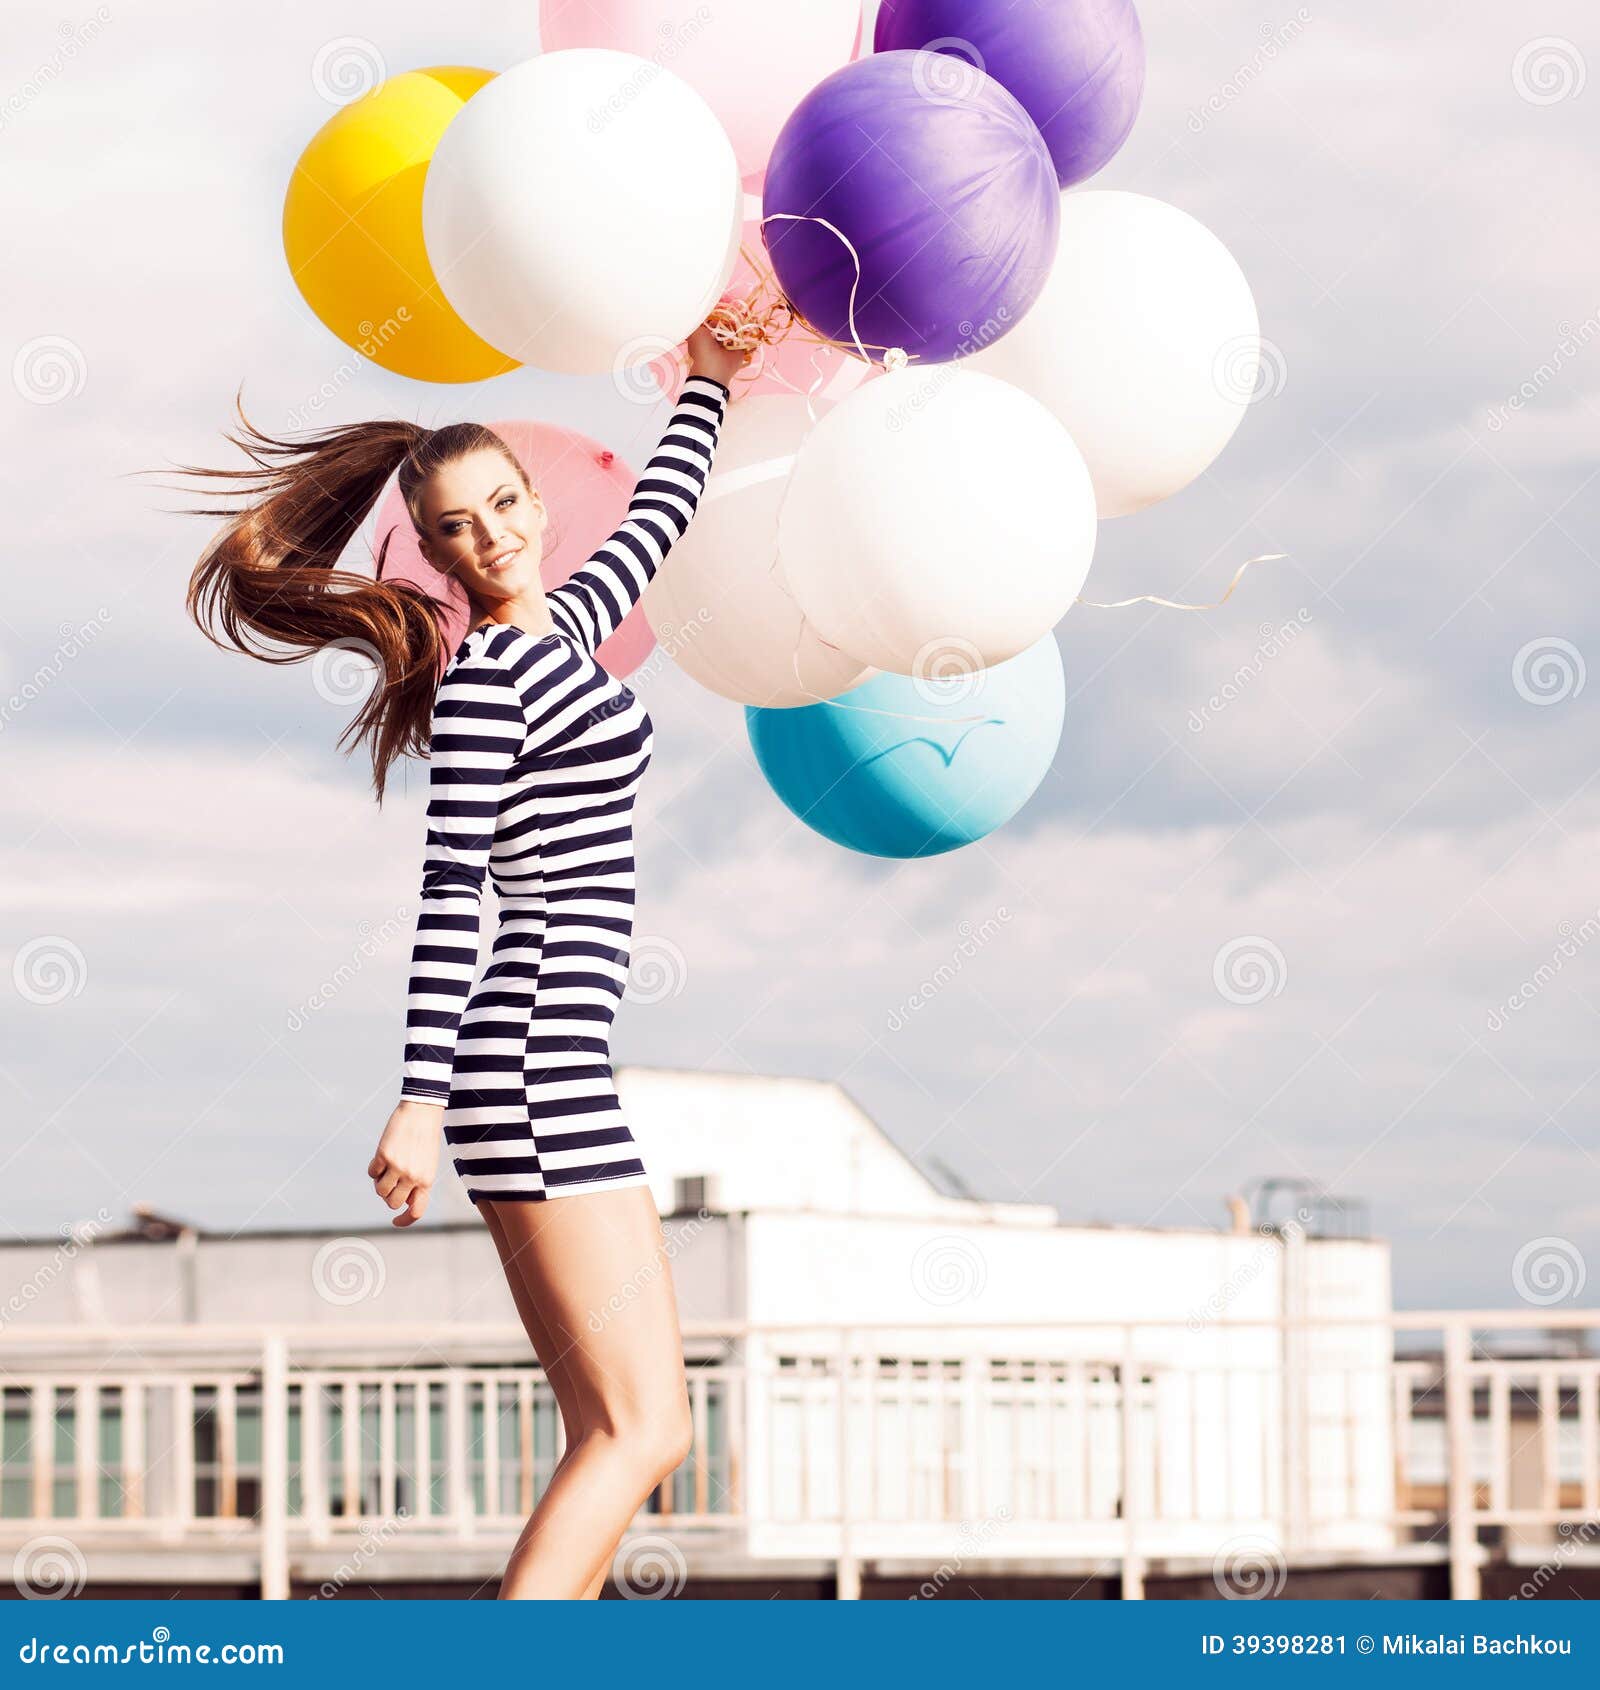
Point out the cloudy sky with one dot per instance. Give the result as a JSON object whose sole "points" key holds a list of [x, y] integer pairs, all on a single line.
{"points": [[1394, 813]]}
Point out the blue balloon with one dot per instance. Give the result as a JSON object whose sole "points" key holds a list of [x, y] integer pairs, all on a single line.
{"points": [[896, 788]]}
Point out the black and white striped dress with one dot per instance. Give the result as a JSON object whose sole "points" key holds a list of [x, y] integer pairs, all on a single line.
{"points": [[537, 754]]}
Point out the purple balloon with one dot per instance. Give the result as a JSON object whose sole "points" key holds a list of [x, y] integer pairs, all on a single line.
{"points": [[944, 186], [1077, 65]]}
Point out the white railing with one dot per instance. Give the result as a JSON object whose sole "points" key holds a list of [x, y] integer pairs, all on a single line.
{"points": [[1242, 1444]]}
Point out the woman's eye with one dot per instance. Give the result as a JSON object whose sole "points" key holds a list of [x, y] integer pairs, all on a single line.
{"points": [[509, 499]]}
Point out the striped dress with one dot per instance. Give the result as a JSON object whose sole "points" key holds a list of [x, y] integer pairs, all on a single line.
{"points": [[537, 754]]}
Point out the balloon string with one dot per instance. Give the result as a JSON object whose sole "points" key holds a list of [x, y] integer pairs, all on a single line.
{"points": [[1172, 604], [855, 259]]}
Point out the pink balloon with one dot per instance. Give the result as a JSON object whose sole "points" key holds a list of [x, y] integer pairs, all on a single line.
{"points": [[751, 61], [585, 489]]}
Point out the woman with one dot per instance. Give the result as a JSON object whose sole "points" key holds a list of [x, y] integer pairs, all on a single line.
{"points": [[536, 758]]}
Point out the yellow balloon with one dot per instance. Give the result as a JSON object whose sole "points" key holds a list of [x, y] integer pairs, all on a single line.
{"points": [[352, 229]]}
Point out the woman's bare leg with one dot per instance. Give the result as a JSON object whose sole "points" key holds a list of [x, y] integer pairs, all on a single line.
{"points": [[594, 1266], [549, 1355]]}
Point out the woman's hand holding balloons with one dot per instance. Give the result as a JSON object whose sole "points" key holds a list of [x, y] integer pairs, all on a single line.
{"points": [[709, 357]]}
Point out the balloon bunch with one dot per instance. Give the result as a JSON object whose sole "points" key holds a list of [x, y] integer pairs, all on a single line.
{"points": [[963, 360]]}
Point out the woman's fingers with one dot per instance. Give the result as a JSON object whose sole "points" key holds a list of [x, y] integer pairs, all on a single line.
{"points": [[415, 1206], [386, 1182]]}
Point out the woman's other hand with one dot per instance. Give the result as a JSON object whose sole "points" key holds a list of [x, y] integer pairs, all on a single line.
{"points": [[407, 1160]]}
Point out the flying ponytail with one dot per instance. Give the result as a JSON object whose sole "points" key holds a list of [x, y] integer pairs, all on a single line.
{"points": [[269, 584]]}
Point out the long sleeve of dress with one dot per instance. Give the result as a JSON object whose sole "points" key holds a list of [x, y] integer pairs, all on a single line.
{"points": [[478, 728], [590, 606]]}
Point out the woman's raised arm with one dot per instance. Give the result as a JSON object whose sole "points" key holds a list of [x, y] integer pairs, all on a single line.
{"points": [[591, 605]]}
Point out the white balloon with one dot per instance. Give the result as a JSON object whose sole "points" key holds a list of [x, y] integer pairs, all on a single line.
{"points": [[719, 605], [1145, 343], [582, 212], [937, 514]]}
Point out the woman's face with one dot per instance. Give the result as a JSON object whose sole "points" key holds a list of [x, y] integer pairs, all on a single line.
{"points": [[481, 525]]}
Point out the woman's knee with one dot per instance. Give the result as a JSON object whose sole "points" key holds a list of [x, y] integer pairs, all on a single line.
{"points": [[654, 1443]]}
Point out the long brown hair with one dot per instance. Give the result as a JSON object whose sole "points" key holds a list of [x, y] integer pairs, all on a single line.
{"points": [[271, 575]]}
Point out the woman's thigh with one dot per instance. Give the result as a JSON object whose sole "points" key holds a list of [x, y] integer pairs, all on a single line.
{"points": [[551, 1354], [595, 1267]]}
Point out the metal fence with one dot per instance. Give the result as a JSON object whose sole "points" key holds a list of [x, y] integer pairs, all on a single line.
{"points": [[1245, 1445]]}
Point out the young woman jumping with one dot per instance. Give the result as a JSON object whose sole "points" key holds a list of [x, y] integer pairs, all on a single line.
{"points": [[536, 758]]}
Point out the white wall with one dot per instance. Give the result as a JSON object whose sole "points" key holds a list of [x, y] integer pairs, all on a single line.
{"points": [[774, 1142]]}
